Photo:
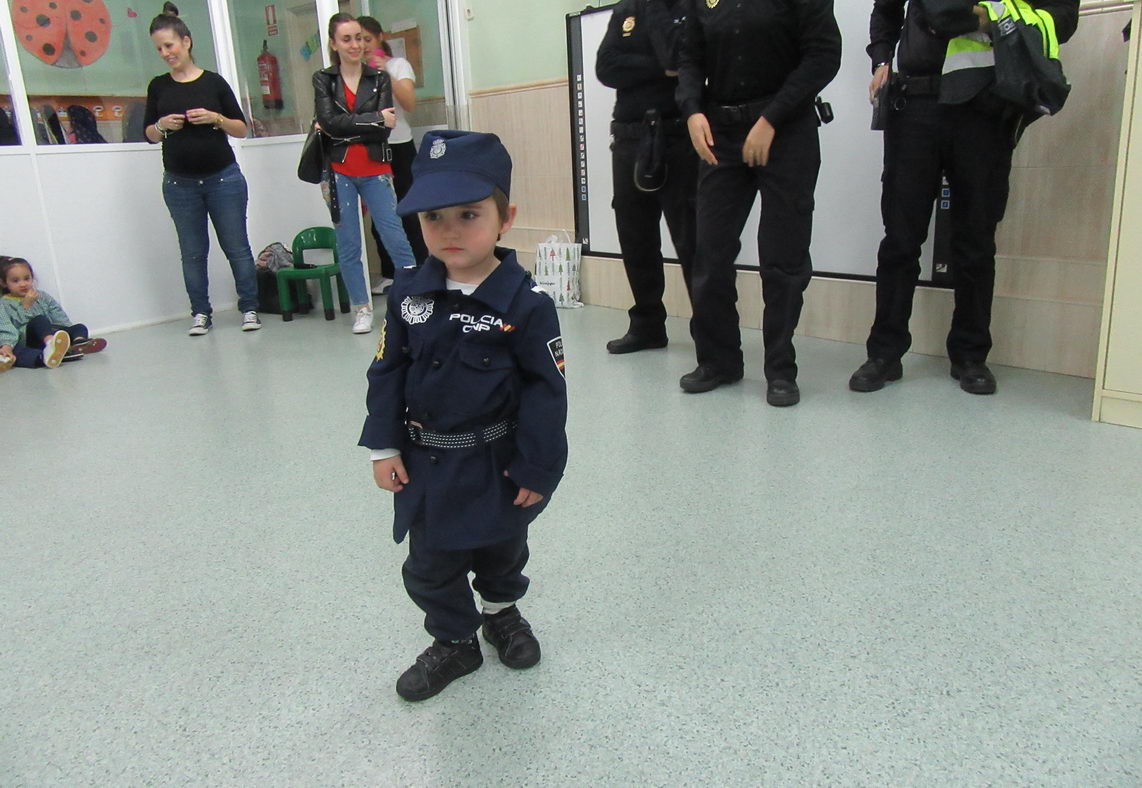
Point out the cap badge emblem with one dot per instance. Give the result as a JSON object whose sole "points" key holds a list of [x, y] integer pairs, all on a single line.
{"points": [[712, 4], [628, 26], [439, 148]]}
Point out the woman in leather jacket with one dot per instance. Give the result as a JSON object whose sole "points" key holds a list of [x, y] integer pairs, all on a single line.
{"points": [[353, 107]]}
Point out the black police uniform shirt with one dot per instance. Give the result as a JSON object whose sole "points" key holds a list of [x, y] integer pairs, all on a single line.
{"points": [[454, 364], [921, 51], [639, 47], [741, 51]]}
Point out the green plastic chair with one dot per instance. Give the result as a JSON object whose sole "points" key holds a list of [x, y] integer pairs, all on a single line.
{"points": [[290, 278]]}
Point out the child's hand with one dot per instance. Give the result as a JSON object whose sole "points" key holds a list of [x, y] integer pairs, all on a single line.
{"points": [[526, 497], [31, 298], [7, 350], [390, 474], [390, 116]]}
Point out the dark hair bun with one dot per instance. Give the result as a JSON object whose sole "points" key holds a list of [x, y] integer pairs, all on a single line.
{"points": [[169, 9]]}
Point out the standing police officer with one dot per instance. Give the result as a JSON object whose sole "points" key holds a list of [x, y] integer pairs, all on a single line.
{"points": [[653, 163], [971, 141], [750, 70]]}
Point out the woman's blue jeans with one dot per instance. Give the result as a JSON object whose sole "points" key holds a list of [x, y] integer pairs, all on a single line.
{"points": [[223, 197], [379, 196]]}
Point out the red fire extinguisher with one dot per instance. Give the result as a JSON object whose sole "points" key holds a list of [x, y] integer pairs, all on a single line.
{"points": [[270, 79]]}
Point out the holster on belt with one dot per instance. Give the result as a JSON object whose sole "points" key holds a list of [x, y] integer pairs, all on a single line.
{"points": [[650, 167]]}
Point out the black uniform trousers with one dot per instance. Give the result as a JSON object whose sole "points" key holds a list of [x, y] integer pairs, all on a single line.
{"points": [[638, 215], [973, 147], [437, 581], [725, 196]]}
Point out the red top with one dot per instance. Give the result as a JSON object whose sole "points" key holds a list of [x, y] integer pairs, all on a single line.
{"points": [[357, 162]]}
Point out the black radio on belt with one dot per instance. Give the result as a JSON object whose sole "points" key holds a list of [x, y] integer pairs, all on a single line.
{"points": [[824, 111]]}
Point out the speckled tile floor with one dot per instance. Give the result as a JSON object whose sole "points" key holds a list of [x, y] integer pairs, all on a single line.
{"points": [[913, 587]]}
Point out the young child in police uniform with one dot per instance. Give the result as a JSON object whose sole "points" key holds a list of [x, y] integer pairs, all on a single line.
{"points": [[467, 411]]}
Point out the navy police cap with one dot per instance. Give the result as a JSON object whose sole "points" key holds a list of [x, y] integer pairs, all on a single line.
{"points": [[456, 168]]}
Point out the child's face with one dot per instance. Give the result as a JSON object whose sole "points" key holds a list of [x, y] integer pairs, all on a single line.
{"points": [[463, 237], [19, 280]]}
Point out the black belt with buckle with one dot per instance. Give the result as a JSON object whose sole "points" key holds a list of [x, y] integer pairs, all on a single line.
{"points": [[636, 130], [917, 86], [748, 112], [458, 440]]}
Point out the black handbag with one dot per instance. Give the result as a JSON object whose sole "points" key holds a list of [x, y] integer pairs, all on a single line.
{"points": [[311, 167]]}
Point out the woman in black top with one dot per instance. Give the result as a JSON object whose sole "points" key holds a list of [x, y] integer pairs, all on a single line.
{"points": [[191, 111]]}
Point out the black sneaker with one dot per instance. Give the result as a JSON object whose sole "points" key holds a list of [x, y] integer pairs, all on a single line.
{"points": [[512, 638], [439, 665], [874, 373], [782, 393]]}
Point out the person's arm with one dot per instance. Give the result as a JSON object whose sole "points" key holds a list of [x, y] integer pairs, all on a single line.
{"points": [[691, 64], [54, 311], [9, 334], [336, 121], [230, 120], [951, 18], [665, 34], [617, 68], [884, 27], [155, 129], [403, 80], [385, 424], [819, 43], [541, 435], [1064, 14]]}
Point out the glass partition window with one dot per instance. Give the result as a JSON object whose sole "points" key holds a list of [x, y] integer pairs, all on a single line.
{"points": [[87, 64], [8, 133], [278, 47]]}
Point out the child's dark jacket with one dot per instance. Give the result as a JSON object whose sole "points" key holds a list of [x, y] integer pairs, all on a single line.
{"points": [[456, 364]]}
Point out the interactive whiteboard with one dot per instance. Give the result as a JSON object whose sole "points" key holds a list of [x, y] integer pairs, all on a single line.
{"points": [[846, 225]]}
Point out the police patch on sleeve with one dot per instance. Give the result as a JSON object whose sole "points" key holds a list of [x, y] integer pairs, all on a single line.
{"points": [[555, 347], [381, 345], [416, 309]]}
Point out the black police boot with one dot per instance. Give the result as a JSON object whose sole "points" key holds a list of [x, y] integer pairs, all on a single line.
{"points": [[439, 665], [632, 343], [874, 373], [705, 378], [782, 393], [974, 377], [511, 636]]}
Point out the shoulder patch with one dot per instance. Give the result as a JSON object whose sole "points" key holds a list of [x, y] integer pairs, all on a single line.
{"points": [[555, 347], [381, 345]]}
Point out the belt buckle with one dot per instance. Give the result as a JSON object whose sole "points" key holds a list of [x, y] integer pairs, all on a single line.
{"points": [[414, 429]]}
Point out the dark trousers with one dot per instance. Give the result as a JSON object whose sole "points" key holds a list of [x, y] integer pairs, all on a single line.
{"points": [[921, 140], [403, 154], [638, 215], [437, 581], [30, 353], [725, 196]]}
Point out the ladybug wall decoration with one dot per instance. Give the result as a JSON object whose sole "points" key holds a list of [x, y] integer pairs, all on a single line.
{"points": [[64, 33]]}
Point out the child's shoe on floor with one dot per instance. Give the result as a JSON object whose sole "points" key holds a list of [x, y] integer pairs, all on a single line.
{"points": [[6, 362], [88, 346], [511, 636], [56, 348], [439, 665]]}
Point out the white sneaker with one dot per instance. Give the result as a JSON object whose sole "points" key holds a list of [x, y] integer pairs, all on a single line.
{"points": [[383, 286], [363, 323], [201, 325], [56, 348], [250, 321]]}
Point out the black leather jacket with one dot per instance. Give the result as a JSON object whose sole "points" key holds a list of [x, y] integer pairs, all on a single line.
{"points": [[364, 124]]}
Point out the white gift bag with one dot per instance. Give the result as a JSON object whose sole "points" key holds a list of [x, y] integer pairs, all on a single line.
{"points": [[557, 270]]}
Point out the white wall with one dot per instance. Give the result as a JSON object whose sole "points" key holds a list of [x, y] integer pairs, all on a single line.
{"points": [[96, 229]]}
